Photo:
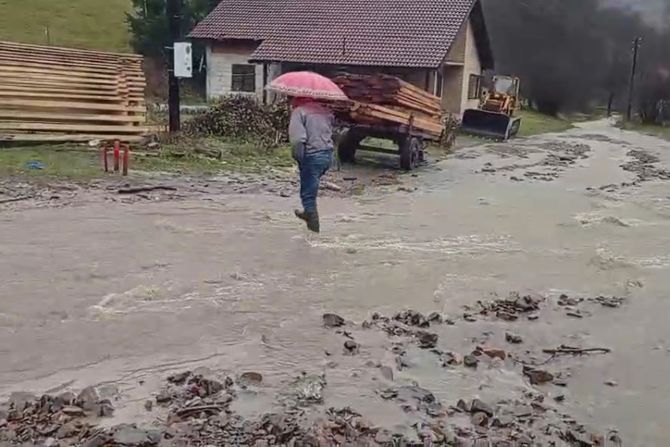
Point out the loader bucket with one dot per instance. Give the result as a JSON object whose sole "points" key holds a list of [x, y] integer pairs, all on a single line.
{"points": [[490, 124]]}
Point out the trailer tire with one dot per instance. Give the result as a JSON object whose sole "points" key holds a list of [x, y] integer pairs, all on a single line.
{"points": [[410, 153], [346, 150]]}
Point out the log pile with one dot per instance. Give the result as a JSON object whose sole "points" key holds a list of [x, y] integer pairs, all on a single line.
{"points": [[61, 94], [384, 99]]}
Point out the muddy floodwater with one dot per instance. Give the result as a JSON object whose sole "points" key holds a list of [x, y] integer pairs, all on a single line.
{"points": [[127, 294]]}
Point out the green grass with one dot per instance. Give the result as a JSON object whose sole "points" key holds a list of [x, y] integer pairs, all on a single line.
{"points": [[535, 123], [77, 163], [92, 24], [648, 129]]}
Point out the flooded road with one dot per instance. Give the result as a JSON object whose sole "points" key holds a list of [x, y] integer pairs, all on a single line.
{"points": [[126, 294]]}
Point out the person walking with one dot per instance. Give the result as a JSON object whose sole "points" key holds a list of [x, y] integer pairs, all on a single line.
{"points": [[311, 137]]}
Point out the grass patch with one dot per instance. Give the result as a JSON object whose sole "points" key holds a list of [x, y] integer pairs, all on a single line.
{"points": [[189, 157], [92, 24], [648, 129], [535, 123]]}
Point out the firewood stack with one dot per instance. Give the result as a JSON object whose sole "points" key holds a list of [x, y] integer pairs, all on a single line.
{"points": [[384, 99]]}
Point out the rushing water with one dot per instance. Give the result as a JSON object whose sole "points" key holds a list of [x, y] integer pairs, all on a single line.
{"points": [[125, 293]]}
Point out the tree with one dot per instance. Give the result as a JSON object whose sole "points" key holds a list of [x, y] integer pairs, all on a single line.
{"points": [[149, 25]]}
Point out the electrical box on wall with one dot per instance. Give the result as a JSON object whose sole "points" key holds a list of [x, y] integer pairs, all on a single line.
{"points": [[183, 60]]}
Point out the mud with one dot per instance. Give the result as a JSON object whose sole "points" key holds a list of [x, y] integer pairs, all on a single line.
{"points": [[121, 296]]}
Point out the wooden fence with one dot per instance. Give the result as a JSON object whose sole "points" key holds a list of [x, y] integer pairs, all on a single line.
{"points": [[62, 94]]}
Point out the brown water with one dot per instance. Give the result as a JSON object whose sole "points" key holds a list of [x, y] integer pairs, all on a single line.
{"points": [[125, 294]]}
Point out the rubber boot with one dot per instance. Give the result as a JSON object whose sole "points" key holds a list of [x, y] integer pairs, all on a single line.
{"points": [[300, 215], [312, 219]]}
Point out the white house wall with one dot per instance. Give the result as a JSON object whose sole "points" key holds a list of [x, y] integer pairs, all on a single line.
{"points": [[472, 65], [220, 61]]}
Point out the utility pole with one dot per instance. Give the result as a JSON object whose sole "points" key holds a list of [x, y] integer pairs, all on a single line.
{"points": [[173, 10], [631, 84]]}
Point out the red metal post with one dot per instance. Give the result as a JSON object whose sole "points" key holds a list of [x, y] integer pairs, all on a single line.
{"points": [[117, 149], [126, 159]]}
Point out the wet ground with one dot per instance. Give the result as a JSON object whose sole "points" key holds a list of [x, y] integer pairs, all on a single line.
{"points": [[121, 294]]}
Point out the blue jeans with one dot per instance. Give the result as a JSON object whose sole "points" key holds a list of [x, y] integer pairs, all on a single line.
{"points": [[312, 167]]}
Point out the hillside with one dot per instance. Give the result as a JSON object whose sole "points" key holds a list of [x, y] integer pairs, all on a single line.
{"points": [[94, 24]]}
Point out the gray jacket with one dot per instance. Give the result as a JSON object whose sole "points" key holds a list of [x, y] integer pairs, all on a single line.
{"points": [[311, 129]]}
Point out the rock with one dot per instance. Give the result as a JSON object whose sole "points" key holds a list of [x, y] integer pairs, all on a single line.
{"points": [[533, 317], [451, 359], [332, 320], [179, 378], [331, 186], [98, 439], [20, 399], [50, 442], [427, 340], [574, 314], [434, 318], [309, 388], [495, 353], [88, 398], [449, 322], [386, 372], [104, 408], [480, 419], [560, 382], [251, 378], [523, 411], [148, 405], [74, 411], [538, 376], [559, 398], [479, 406], [470, 361], [463, 406], [163, 397], [67, 430], [611, 383], [351, 347], [130, 435], [502, 421], [469, 318], [506, 316], [513, 338], [67, 398]]}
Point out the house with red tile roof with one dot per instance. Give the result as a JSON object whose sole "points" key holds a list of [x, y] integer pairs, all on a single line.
{"points": [[441, 46]]}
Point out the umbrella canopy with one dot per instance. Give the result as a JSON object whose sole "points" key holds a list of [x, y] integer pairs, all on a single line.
{"points": [[308, 85]]}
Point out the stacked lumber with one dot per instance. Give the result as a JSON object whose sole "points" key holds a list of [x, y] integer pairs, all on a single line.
{"points": [[61, 94], [384, 98]]}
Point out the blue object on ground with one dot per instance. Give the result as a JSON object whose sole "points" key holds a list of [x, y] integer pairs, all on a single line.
{"points": [[35, 164]]}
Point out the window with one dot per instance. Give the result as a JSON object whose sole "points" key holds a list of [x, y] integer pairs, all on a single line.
{"points": [[439, 83], [475, 87], [244, 78]]}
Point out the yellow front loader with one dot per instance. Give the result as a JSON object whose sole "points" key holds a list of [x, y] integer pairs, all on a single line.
{"points": [[495, 116]]}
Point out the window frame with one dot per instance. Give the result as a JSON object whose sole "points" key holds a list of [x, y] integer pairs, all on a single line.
{"points": [[244, 82], [476, 81]]}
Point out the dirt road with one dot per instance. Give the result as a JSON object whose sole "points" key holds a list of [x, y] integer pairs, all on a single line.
{"points": [[125, 294]]}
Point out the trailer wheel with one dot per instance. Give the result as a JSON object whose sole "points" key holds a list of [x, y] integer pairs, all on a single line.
{"points": [[410, 153], [350, 141]]}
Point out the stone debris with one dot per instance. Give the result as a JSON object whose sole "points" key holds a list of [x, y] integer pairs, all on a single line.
{"points": [[513, 338], [332, 320], [509, 309], [537, 376], [351, 347]]}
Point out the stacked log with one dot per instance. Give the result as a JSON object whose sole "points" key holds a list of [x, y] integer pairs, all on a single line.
{"points": [[382, 99], [61, 94]]}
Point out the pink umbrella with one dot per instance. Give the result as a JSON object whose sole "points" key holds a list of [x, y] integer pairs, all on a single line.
{"points": [[308, 85]]}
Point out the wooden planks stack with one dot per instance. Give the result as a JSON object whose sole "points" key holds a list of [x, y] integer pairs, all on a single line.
{"points": [[384, 98], [61, 94]]}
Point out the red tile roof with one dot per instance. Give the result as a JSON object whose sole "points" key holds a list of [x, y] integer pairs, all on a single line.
{"points": [[399, 33]]}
